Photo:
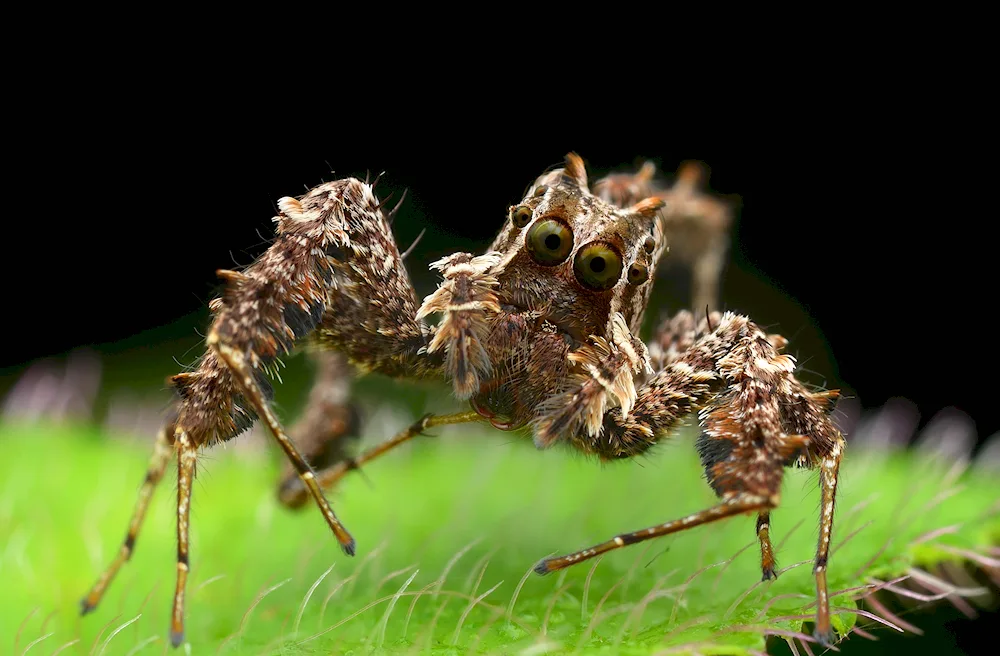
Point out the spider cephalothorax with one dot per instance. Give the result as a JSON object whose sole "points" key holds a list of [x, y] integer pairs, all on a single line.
{"points": [[565, 271], [540, 330]]}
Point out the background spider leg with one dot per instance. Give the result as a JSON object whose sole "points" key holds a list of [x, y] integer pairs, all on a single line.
{"points": [[295, 495], [706, 271], [696, 224]]}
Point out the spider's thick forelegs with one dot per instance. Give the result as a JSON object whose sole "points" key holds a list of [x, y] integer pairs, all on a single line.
{"points": [[334, 275], [371, 310]]}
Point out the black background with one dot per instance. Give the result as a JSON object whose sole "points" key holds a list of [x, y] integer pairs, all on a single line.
{"points": [[120, 212]]}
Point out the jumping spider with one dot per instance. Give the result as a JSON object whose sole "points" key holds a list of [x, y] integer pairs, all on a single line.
{"points": [[539, 331]]}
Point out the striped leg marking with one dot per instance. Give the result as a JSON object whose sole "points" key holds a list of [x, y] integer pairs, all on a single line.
{"points": [[767, 562], [187, 454], [828, 470]]}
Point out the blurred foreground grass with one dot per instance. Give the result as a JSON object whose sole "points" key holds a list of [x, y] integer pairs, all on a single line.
{"points": [[447, 531]]}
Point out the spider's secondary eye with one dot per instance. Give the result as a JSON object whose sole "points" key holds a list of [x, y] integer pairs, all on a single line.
{"points": [[598, 266], [549, 242], [637, 274], [540, 190], [649, 245], [521, 215]]}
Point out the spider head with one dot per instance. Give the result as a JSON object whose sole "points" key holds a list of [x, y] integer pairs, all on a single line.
{"points": [[575, 258]]}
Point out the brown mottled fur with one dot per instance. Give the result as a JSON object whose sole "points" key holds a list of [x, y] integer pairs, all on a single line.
{"points": [[540, 330]]}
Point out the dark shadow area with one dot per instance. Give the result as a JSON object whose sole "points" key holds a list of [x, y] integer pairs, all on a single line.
{"points": [[947, 632]]}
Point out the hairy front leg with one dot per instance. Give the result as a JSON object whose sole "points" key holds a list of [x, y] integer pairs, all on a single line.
{"points": [[332, 268], [674, 337], [372, 311]]}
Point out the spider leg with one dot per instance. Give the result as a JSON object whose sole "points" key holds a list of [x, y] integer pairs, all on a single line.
{"points": [[767, 562], [706, 270], [332, 276], [828, 475], [328, 427], [674, 337], [376, 323], [371, 312], [756, 419], [728, 508], [293, 495], [244, 377], [677, 334], [154, 473], [187, 455]]}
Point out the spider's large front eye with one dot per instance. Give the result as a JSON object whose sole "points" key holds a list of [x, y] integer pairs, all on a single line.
{"points": [[598, 266], [549, 242]]}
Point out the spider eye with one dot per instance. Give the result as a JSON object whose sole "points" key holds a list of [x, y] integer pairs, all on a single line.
{"points": [[540, 190], [549, 242], [649, 245], [598, 266], [637, 274], [521, 215]]}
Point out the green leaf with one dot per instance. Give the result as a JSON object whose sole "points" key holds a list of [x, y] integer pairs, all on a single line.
{"points": [[447, 533]]}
